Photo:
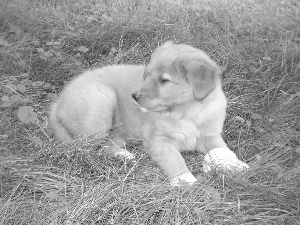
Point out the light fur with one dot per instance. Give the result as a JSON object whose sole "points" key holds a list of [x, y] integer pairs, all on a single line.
{"points": [[175, 103]]}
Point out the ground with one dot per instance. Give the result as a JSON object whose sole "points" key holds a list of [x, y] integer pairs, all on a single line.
{"points": [[44, 43]]}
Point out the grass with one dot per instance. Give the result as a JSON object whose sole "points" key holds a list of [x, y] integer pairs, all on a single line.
{"points": [[258, 42]]}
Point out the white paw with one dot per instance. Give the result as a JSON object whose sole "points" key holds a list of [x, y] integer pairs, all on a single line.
{"points": [[223, 159], [123, 153], [183, 178]]}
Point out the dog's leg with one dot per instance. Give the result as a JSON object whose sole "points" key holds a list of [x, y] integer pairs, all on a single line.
{"points": [[219, 156], [87, 113], [61, 133], [205, 144], [167, 156], [116, 148], [83, 111]]}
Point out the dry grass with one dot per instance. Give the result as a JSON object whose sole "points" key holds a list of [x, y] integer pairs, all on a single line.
{"points": [[257, 41]]}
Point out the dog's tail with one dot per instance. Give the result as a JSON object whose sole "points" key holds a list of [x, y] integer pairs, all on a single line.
{"points": [[61, 133]]}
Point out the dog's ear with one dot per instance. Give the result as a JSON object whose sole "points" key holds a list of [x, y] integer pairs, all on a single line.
{"points": [[202, 74]]}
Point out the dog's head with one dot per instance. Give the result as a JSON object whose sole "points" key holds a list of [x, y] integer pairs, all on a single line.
{"points": [[175, 75]]}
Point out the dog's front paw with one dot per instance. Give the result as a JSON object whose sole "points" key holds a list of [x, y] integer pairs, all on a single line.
{"points": [[124, 154], [223, 159], [182, 179]]}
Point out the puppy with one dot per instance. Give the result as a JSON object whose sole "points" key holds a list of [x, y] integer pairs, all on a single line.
{"points": [[173, 104]]}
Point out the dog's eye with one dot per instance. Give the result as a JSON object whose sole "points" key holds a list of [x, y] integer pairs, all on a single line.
{"points": [[163, 80]]}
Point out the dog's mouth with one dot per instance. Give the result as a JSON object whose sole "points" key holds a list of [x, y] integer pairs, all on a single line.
{"points": [[147, 108], [154, 109], [157, 105], [143, 109], [157, 108]]}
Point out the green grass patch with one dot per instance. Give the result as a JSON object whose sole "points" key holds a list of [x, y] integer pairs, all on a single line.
{"points": [[44, 43]]}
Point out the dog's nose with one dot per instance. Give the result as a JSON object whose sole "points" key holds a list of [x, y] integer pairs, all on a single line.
{"points": [[135, 96]]}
